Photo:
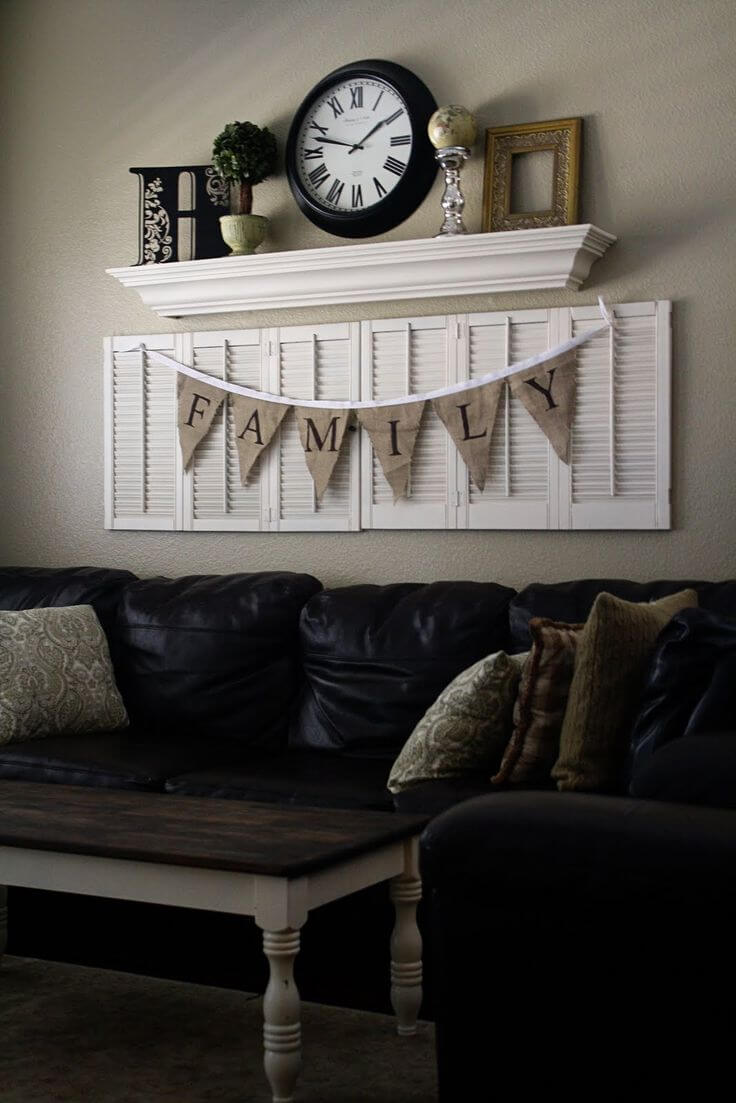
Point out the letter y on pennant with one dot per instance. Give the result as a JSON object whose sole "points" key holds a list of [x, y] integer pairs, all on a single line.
{"points": [[548, 392]]}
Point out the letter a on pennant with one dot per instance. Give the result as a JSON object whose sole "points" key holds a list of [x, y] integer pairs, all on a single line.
{"points": [[255, 423], [548, 392], [393, 431], [469, 417], [197, 404], [321, 433]]}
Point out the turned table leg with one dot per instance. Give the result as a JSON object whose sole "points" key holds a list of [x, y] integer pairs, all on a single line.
{"points": [[282, 1032], [406, 943], [3, 920]]}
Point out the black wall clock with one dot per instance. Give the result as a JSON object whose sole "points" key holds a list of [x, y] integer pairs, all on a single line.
{"points": [[358, 158]]}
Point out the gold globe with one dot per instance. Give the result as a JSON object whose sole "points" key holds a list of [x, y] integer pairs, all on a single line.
{"points": [[452, 126]]}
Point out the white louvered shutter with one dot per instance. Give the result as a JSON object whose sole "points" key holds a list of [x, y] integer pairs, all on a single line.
{"points": [[619, 476], [314, 362], [400, 357], [214, 497], [520, 479], [141, 451]]}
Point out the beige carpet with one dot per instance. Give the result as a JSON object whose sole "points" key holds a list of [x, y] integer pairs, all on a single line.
{"points": [[77, 1035]]}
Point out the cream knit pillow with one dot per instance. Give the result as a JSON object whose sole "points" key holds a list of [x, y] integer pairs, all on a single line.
{"points": [[612, 655]]}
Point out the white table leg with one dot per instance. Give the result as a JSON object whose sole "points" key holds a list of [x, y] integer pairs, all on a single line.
{"points": [[282, 1032], [3, 919], [406, 942]]}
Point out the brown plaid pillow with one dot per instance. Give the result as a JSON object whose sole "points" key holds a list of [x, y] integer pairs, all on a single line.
{"points": [[540, 705]]}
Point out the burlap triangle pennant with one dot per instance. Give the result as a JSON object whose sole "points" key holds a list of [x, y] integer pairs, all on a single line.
{"points": [[548, 392], [393, 431], [469, 417], [197, 405], [255, 421], [321, 433]]}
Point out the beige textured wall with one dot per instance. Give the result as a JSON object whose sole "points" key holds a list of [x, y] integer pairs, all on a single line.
{"points": [[94, 86]]}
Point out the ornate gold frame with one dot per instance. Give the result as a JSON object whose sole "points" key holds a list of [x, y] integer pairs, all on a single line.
{"points": [[502, 142]]}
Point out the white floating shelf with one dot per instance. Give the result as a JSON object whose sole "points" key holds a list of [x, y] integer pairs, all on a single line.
{"points": [[471, 264]]}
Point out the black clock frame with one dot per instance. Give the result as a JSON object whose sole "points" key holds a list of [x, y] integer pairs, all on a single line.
{"points": [[421, 168]]}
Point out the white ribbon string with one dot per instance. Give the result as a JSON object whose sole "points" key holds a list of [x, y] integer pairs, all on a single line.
{"points": [[454, 388]]}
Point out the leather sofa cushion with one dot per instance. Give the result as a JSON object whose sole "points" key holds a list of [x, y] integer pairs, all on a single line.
{"points": [[572, 601], [114, 760], [213, 653], [296, 777], [691, 683], [433, 797], [699, 769], [376, 657], [41, 587]]}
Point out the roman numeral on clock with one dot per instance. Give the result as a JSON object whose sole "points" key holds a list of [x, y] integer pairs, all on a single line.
{"points": [[391, 164], [316, 126], [402, 140], [319, 175], [311, 154], [337, 108], [333, 195], [357, 196], [356, 96], [375, 105], [393, 117], [379, 187]]}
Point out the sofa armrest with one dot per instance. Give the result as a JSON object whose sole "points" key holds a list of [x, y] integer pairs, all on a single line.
{"points": [[570, 932], [526, 843]]}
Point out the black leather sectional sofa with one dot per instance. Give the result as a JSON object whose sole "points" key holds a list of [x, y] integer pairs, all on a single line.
{"points": [[269, 687]]}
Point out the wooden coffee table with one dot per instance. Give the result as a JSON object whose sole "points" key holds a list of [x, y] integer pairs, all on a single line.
{"points": [[263, 860]]}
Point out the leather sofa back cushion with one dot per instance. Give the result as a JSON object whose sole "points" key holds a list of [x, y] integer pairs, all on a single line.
{"points": [[213, 654], [376, 657], [572, 601], [691, 684], [43, 587]]}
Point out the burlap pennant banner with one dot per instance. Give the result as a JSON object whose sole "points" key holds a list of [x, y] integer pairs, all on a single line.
{"points": [[255, 423], [197, 405], [321, 433], [545, 384], [469, 419], [393, 431], [548, 393]]}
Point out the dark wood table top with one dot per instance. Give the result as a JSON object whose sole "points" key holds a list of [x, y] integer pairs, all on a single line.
{"points": [[242, 836]]}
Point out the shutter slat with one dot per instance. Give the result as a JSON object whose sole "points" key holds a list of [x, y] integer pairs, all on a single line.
{"points": [[616, 436], [143, 446], [318, 365], [218, 497], [516, 494], [410, 357]]}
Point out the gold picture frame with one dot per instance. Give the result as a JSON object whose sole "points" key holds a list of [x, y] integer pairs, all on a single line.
{"points": [[563, 136]]}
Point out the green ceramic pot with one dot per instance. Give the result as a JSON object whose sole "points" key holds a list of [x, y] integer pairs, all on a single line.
{"points": [[243, 232]]}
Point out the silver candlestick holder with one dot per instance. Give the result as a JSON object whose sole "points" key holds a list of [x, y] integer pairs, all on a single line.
{"points": [[452, 159], [452, 131]]}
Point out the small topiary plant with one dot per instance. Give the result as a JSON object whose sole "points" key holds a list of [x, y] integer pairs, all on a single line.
{"points": [[244, 154]]}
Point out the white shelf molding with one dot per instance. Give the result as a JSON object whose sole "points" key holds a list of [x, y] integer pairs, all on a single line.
{"points": [[472, 264]]}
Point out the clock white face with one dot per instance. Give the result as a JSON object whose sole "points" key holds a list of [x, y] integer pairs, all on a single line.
{"points": [[354, 145]]}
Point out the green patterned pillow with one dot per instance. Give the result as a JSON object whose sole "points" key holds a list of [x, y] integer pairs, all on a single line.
{"points": [[55, 674], [466, 729]]}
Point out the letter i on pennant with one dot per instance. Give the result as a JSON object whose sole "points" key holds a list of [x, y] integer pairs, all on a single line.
{"points": [[393, 431]]}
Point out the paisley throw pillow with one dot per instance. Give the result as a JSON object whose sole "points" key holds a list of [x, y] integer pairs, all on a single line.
{"points": [[466, 730], [55, 674]]}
